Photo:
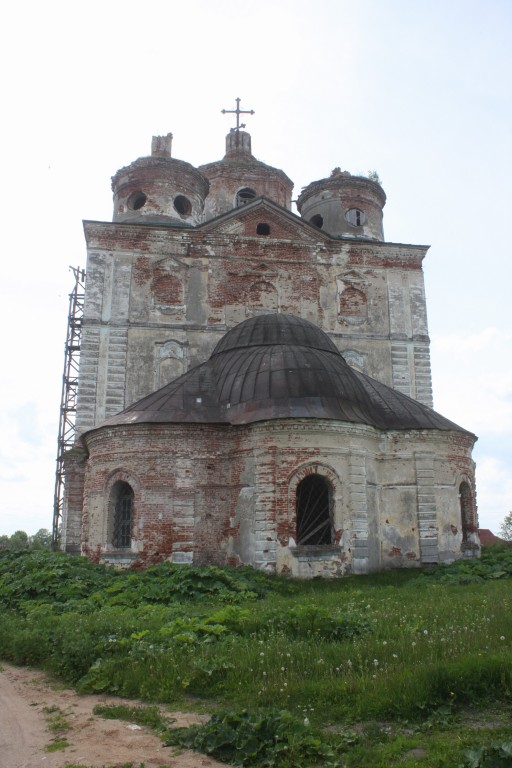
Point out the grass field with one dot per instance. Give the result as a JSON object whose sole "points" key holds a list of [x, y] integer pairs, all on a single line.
{"points": [[403, 668]]}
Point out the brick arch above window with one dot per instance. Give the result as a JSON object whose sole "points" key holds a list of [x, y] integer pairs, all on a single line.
{"points": [[328, 474], [115, 535]]}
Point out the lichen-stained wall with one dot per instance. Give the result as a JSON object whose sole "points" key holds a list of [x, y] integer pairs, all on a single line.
{"points": [[227, 495], [159, 298]]}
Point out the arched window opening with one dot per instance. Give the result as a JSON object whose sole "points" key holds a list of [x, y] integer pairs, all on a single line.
{"points": [[355, 217], [317, 221], [122, 507], [244, 196], [137, 200], [466, 510], [314, 524], [183, 205], [263, 228]]}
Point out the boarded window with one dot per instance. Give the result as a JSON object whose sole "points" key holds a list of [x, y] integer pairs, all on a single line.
{"points": [[353, 303], [314, 523], [122, 509], [262, 296]]}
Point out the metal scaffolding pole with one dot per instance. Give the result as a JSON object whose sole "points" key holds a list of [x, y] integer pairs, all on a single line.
{"points": [[68, 401]]}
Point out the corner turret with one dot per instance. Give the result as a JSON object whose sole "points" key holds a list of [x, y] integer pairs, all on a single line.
{"points": [[159, 189], [344, 204]]}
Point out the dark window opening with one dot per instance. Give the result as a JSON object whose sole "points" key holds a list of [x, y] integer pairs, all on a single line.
{"points": [[466, 510], [263, 229], [355, 217], [123, 509], [317, 221], [244, 196], [183, 205], [314, 525], [136, 201]]}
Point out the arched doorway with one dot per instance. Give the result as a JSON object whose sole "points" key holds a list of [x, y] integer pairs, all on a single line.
{"points": [[313, 510]]}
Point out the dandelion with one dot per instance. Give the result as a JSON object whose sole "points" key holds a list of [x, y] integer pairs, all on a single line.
{"points": [[375, 663], [413, 643], [502, 637], [384, 642], [306, 721], [425, 631], [395, 656], [262, 654]]}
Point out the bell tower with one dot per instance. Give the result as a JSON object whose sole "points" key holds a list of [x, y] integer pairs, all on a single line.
{"points": [[159, 189], [344, 204]]}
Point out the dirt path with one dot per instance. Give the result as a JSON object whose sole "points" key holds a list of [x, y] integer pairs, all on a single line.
{"points": [[26, 695]]}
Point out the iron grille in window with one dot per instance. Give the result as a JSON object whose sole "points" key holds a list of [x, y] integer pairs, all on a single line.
{"points": [[313, 511], [122, 536]]}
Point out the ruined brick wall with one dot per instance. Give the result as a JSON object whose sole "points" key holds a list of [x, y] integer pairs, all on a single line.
{"points": [[71, 528], [158, 299], [217, 494]]}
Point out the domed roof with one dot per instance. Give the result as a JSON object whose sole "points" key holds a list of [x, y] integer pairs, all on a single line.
{"points": [[265, 330], [279, 366]]}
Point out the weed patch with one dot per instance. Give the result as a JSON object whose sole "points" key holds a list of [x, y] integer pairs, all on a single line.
{"points": [[264, 738], [496, 756], [148, 716]]}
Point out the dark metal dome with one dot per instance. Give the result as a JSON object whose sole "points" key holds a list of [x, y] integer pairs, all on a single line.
{"points": [[279, 367], [265, 330]]}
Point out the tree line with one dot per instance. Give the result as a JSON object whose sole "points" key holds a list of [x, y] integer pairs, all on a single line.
{"points": [[21, 540]]}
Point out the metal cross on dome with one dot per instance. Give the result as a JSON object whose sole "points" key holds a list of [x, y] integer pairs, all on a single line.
{"points": [[238, 112]]}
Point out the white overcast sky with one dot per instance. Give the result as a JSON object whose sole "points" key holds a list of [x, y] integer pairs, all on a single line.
{"points": [[418, 90]]}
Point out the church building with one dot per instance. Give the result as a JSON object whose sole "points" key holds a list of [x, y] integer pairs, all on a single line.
{"points": [[255, 384]]}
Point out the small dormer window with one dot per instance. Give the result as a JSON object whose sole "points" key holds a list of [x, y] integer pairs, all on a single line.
{"points": [[244, 196], [356, 217]]}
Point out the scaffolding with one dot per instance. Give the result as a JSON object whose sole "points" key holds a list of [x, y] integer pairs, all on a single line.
{"points": [[68, 401]]}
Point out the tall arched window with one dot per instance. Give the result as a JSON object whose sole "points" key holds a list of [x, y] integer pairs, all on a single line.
{"points": [[122, 513], [313, 507], [466, 510]]}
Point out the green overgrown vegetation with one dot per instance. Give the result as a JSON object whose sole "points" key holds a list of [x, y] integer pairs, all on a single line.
{"points": [[408, 668]]}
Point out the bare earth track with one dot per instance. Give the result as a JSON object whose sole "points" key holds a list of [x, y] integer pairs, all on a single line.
{"points": [[25, 694]]}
